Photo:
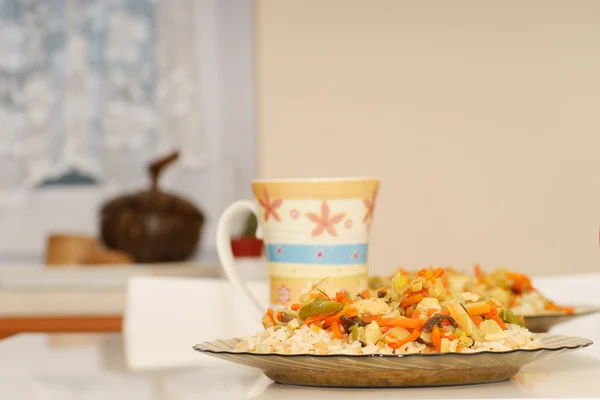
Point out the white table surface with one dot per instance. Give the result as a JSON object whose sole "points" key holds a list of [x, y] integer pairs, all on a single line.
{"points": [[36, 367]]}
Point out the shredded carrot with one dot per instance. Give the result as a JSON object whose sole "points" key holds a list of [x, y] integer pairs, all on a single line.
{"points": [[436, 338], [330, 320], [370, 318], [445, 312], [438, 273], [513, 276], [347, 311], [343, 297], [408, 323], [412, 300], [279, 315], [478, 272], [476, 319], [385, 329], [409, 312], [365, 294], [416, 313], [350, 312], [521, 281], [499, 321], [450, 336], [335, 328], [316, 318], [414, 335], [445, 280], [270, 314], [296, 307]]}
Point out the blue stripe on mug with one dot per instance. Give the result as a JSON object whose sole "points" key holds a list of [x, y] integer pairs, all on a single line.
{"points": [[344, 254]]}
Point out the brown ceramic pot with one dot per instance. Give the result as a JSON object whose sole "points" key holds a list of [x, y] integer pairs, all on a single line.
{"points": [[152, 226]]}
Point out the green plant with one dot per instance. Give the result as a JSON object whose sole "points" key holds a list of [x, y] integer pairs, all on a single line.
{"points": [[250, 226]]}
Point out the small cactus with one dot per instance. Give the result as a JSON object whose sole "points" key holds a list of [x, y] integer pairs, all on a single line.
{"points": [[250, 226]]}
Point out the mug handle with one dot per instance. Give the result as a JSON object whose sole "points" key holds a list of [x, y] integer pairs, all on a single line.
{"points": [[226, 255]]}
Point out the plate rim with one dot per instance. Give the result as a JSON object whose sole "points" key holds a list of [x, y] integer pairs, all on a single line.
{"points": [[198, 347]]}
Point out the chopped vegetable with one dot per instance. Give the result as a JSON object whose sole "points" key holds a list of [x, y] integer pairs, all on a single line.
{"points": [[320, 306], [412, 300], [444, 345], [438, 273], [436, 320], [504, 288], [398, 333], [429, 302], [403, 322], [348, 322], [461, 317], [335, 329], [478, 308], [489, 326], [436, 338], [399, 283], [381, 292], [499, 322], [509, 317], [414, 335], [419, 309], [372, 333], [370, 318]]}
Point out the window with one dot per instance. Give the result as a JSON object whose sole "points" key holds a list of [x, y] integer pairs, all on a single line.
{"points": [[95, 89]]}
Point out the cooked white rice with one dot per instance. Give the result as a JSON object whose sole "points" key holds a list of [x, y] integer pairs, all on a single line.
{"points": [[531, 303], [307, 340]]}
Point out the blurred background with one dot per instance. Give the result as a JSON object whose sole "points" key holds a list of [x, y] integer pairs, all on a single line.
{"points": [[93, 91], [480, 118]]}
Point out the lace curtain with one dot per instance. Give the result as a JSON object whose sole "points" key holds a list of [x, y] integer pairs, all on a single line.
{"points": [[93, 89]]}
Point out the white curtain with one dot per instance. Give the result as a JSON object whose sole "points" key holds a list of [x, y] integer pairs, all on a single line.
{"points": [[94, 89]]}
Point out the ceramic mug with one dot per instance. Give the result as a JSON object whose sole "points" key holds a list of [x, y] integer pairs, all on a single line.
{"points": [[314, 230]]}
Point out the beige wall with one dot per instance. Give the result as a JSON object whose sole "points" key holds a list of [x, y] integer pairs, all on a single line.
{"points": [[482, 119]]}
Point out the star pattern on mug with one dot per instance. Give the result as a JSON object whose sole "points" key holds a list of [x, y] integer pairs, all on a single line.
{"points": [[269, 206], [324, 222]]}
